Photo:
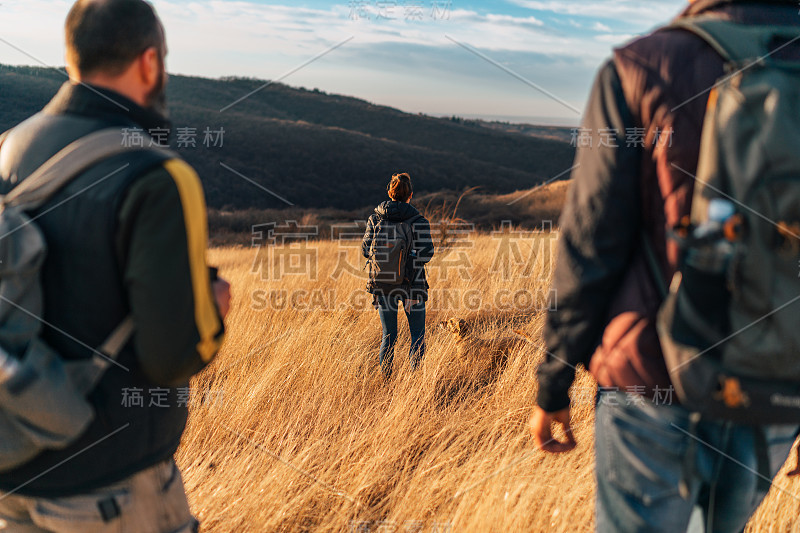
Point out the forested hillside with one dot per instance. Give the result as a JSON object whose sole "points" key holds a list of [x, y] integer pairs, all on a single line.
{"points": [[315, 149]]}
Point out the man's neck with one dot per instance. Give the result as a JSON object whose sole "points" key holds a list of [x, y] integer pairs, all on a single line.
{"points": [[119, 84]]}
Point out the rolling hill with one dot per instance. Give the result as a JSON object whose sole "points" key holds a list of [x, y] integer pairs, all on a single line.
{"points": [[316, 149]]}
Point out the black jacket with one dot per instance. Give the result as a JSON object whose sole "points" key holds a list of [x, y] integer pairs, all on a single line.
{"points": [[128, 236], [607, 301], [417, 286]]}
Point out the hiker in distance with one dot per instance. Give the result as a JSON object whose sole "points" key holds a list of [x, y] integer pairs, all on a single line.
{"points": [[126, 237], [397, 244], [698, 401]]}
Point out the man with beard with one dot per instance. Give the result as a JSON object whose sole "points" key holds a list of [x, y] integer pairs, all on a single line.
{"points": [[127, 237]]}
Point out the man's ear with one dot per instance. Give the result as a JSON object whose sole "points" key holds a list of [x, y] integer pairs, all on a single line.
{"points": [[149, 66], [72, 73]]}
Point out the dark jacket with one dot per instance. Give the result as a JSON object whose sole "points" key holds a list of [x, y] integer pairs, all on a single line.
{"points": [[416, 286], [128, 236], [607, 298]]}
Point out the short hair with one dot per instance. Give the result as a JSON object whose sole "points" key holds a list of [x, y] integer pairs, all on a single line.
{"points": [[108, 35]]}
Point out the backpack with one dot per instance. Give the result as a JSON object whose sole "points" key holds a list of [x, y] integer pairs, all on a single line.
{"points": [[728, 325], [389, 252], [43, 398]]}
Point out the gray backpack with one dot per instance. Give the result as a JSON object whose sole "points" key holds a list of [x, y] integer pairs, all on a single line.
{"points": [[729, 324], [43, 401], [391, 248]]}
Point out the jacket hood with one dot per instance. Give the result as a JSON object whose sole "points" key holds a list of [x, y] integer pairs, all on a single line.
{"points": [[396, 211]]}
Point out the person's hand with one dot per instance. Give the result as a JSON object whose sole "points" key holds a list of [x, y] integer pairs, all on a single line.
{"points": [[407, 304], [222, 294], [542, 434]]}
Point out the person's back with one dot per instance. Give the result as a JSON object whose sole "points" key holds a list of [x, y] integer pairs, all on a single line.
{"points": [[398, 274], [126, 237], [652, 98]]}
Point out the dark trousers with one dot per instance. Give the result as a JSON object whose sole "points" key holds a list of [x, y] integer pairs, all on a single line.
{"points": [[388, 306]]}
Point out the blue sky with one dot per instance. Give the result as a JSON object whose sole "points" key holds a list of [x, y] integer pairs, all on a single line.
{"points": [[411, 54]]}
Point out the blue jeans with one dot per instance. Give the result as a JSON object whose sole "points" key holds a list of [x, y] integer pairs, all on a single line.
{"points": [[640, 449], [387, 310]]}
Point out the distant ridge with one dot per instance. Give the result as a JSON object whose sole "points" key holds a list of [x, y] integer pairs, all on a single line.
{"points": [[322, 150]]}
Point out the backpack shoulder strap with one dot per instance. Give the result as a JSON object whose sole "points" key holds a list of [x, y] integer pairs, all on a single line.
{"points": [[67, 164], [118, 338], [735, 41], [410, 222], [413, 220], [86, 374]]}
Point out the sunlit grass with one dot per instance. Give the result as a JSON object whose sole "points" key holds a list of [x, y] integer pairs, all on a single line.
{"points": [[305, 435]]}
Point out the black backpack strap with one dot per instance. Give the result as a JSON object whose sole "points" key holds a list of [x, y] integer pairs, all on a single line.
{"points": [[410, 223], [412, 220], [410, 265]]}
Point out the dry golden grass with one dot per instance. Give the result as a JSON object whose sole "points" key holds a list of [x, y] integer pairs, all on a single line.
{"points": [[307, 436], [531, 208]]}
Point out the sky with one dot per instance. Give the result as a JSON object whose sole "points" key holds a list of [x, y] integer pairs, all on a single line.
{"points": [[516, 60]]}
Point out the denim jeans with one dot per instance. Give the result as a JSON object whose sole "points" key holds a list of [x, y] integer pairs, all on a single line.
{"points": [[151, 501], [388, 307], [640, 449]]}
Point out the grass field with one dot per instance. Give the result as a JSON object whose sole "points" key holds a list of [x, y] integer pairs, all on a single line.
{"points": [[298, 431]]}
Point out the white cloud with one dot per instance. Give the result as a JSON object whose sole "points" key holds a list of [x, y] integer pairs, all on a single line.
{"points": [[640, 12], [35, 27], [223, 37], [614, 39], [513, 21], [245, 38]]}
